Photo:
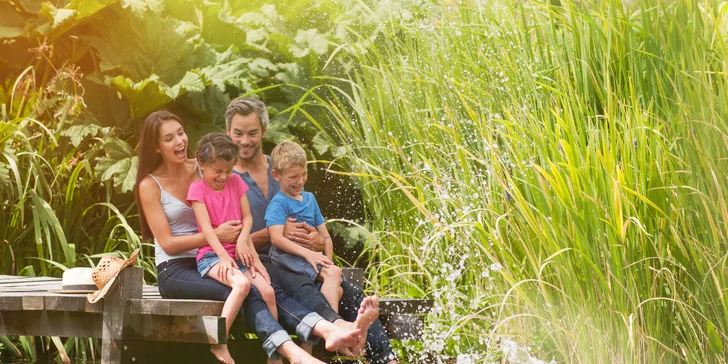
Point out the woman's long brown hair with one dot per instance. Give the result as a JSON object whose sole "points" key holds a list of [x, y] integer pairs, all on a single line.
{"points": [[149, 159]]}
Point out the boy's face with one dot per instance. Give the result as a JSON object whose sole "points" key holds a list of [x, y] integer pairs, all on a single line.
{"points": [[292, 179]]}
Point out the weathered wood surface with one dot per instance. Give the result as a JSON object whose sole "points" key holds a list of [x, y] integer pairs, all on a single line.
{"points": [[138, 313], [128, 286]]}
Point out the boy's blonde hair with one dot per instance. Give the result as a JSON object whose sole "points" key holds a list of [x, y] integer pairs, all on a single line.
{"points": [[287, 154]]}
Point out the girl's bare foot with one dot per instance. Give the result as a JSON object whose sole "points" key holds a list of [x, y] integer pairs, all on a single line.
{"points": [[222, 354]]}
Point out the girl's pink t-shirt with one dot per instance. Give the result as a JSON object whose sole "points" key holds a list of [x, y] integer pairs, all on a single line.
{"points": [[222, 206]]}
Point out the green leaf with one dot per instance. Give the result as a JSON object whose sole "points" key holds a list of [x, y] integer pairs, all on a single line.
{"points": [[120, 164], [309, 40], [12, 23], [5, 176], [140, 7], [714, 341], [321, 143], [190, 82], [145, 96], [78, 133]]}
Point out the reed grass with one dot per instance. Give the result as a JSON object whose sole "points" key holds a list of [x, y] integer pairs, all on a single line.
{"points": [[553, 175]]}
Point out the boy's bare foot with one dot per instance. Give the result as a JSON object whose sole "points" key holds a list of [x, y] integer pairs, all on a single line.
{"points": [[340, 339], [222, 354], [368, 313]]}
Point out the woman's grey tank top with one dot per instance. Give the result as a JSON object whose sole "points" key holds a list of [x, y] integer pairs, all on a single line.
{"points": [[181, 221]]}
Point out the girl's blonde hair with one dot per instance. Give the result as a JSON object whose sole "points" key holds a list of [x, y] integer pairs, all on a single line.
{"points": [[287, 154]]}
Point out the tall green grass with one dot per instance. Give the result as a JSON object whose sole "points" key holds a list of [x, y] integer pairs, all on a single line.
{"points": [[554, 176]]}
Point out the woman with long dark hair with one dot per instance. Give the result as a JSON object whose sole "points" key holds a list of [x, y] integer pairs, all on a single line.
{"points": [[164, 176]]}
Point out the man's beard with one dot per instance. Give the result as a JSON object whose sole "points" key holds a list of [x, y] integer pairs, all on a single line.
{"points": [[255, 152]]}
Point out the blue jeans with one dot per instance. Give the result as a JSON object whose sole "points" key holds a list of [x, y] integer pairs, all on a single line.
{"points": [[378, 349], [179, 279]]}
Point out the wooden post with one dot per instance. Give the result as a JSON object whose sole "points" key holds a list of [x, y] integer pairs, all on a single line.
{"points": [[128, 285]]}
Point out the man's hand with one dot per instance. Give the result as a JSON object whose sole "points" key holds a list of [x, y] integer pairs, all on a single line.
{"points": [[303, 235], [229, 231]]}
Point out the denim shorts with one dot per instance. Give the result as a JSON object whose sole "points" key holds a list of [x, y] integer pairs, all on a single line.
{"points": [[210, 259]]}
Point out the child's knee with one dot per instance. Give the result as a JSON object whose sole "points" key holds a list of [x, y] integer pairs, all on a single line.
{"points": [[332, 273], [240, 285], [267, 292]]}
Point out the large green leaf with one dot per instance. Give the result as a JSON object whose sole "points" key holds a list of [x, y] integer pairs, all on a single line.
{"points": [[145, 96], [714, 341], [12, 23], [119, 164], [77, 133], [141, 7]]}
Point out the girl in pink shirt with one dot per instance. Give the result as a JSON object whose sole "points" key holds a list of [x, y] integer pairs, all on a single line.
{"points": [[217, 198]]}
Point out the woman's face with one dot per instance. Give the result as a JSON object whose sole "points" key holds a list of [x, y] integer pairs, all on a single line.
{"points": [[172, 142]]}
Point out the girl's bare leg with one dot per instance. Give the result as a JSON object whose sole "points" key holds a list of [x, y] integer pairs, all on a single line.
{"points": [[266, 291], [240, 288], [331, 287]]}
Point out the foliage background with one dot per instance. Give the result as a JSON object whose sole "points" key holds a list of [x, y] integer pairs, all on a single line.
{"points": [[552, 173]]}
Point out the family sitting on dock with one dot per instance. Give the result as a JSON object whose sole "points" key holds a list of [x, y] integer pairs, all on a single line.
{"points": [[236, 225]]}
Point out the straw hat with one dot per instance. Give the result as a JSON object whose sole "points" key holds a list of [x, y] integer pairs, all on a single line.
{"points": [[105, 273], [76, 281]]}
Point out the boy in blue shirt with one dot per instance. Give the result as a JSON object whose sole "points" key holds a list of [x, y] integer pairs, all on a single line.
{"points": [[288, 160]]}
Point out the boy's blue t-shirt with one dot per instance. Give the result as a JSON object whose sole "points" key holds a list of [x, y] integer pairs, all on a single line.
{"points": [[282, 207]]}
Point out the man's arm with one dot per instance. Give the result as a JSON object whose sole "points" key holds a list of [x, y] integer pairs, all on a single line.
{"points": [[304, 235]]}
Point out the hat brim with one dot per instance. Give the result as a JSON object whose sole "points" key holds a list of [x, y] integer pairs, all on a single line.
{"points": [[71, 291], [98, 295]]}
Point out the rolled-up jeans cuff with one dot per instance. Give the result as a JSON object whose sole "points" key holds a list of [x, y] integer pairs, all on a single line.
{"points": [[305, 328], [273, 342]]}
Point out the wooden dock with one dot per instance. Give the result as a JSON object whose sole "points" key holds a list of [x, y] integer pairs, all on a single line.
{"points": [[137, 324]]}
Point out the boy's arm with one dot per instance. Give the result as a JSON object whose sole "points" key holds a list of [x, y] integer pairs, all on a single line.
{"points": [[280, 242], [329, 245]]}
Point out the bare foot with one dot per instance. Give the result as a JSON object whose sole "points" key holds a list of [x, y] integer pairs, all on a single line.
{"points": [[303, 358], [222, 354], [368, 313], [339, 339]]}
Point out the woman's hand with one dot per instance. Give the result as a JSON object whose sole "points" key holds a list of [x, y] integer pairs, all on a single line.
{"points": [[316, 259], [242, 251], [227, 266], [228, 231], [303, 235]]}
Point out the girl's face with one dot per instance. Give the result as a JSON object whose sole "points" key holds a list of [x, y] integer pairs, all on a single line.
{"points": [[172, 142], [216, 173]]}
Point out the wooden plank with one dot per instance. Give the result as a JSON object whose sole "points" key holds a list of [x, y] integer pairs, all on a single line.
{"points": [[24, 283], [403, 327], [20, 279], [392, 306], [243, 351], [11, 303], [190, 329], [50, 323], [128, 285], [173, 307]]}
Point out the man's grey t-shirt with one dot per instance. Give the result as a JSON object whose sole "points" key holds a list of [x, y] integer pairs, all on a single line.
{"points": [[259, 203]]}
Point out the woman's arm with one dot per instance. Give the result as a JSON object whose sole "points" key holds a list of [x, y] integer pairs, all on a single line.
{"points": [[149, 194]]}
